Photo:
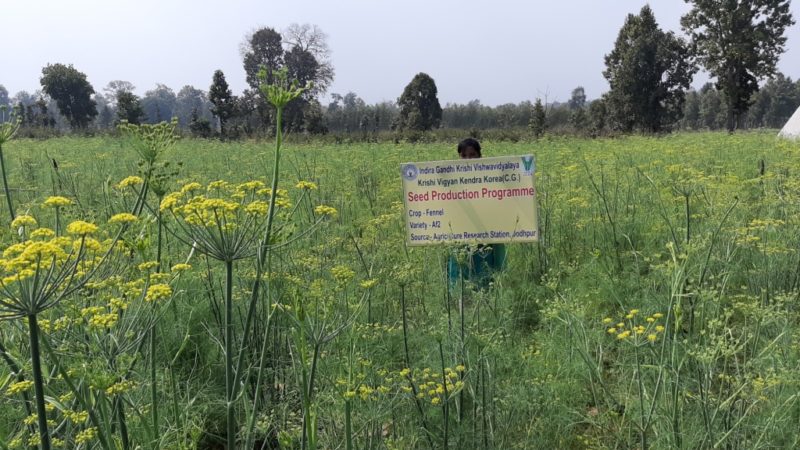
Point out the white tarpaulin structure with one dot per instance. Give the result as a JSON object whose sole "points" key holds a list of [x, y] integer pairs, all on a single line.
{"points": [[792, 128]]}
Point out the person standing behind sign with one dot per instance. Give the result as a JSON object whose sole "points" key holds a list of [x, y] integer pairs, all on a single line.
{"points": [[475, 264]]}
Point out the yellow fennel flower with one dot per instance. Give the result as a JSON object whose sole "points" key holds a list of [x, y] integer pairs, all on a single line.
{"points": [[86, 435], [123, 218], [43, 233], [306, 185], [257, 207], [130, 181], [158, 292], [324, 210], [367, 284], [81, 228], [19, 386], [181, 267], [147, 265], [57, 201], [170, 201], [192, 186], [23, 221]]}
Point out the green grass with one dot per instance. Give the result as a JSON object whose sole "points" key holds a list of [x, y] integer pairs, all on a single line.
{"points": [[541, 368]]}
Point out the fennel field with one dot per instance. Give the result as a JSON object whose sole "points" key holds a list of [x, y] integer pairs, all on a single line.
{"points": [[659, 310]]}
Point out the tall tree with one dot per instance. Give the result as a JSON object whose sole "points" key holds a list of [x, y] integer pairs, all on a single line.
{"points": [[4, 100], [5, 103], [223, 100], [159, 104], [419, 105], [264, 48], [314, 118], [52, 106], [303, 67], [105, 116], [711, 111], [311, 39], [304, 52], [578, 98], [597, 116], [72, 93], [774, 103], [200, 127], [41, 116], [344, 113], [691, 110], [129, 108], [538, 123], [648, 71], [114, 87], [23, 97], [579, 119], [188, 101], [738, 42], [785, 99]]}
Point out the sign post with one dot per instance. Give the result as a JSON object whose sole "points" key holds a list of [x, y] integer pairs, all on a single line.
{"points": [[485, 200]]}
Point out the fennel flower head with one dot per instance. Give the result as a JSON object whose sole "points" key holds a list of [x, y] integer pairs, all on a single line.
{"points": [[37, 273], [223, 219], [57, 201]]}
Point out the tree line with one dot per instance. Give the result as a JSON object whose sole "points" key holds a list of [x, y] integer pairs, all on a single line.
{"points": [[649, 72]]}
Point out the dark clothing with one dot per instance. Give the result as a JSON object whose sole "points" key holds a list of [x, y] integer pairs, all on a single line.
{"points": [[482, 262]]}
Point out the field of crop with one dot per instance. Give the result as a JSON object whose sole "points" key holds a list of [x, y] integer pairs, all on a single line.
{"points": [[660, 309]]}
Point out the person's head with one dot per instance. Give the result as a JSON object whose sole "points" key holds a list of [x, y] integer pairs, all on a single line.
{"points": [[469, 149]]}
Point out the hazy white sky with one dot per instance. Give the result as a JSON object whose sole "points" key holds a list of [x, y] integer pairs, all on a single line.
{"points": [[497, 51]]}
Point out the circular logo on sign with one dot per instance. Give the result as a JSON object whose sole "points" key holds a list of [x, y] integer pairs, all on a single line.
{"points": [[410, 172]]}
